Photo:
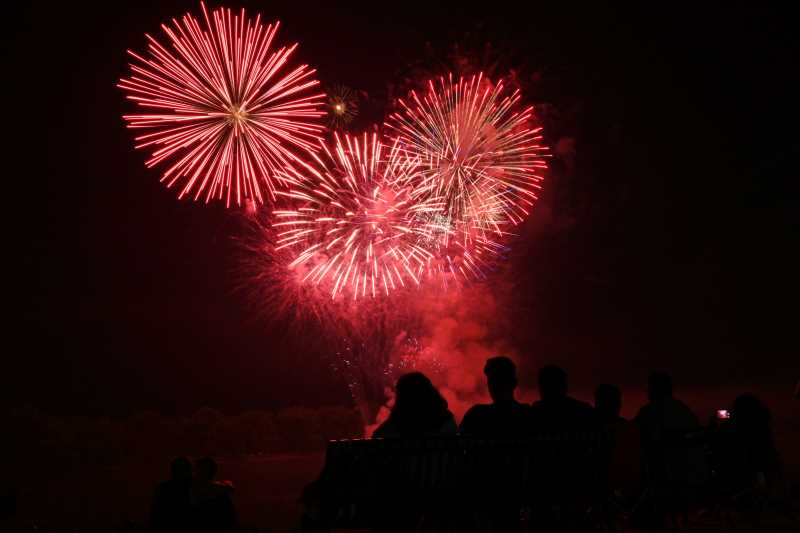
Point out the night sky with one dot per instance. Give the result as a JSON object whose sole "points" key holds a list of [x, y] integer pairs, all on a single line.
{"points": [[668, 240]]}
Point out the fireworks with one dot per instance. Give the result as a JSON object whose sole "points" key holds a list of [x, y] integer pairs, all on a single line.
{"points": [[342, 106], [359, 338], [224, 109], [274, 290], [481, 154], [351, 218], [357, 218]]}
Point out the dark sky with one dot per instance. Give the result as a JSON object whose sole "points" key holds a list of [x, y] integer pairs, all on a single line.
{"points": [[671, 243]]}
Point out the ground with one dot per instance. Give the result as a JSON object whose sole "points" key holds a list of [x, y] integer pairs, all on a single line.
{"points": [[89, 500], [92, 499]]}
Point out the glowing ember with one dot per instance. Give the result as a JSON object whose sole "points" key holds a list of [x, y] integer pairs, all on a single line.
{"points": [[342, 106], [223, 106]]}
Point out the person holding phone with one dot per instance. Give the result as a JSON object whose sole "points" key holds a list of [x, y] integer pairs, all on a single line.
{"points": [[746, 461]]}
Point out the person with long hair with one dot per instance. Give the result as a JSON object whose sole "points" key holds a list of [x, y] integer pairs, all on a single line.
{"points": [[419, 410], [758, 461]]}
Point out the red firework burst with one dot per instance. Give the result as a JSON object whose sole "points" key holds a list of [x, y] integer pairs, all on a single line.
{"points": [[222, 106], [481, 155], [358, 219]]}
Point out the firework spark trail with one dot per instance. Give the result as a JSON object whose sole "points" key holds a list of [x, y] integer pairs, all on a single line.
{"points": [[482, 157], [222, 107], [366, 342], [356, 218]]}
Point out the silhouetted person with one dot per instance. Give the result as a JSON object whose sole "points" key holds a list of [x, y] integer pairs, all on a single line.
{"points": [[750, 433], [212, 501], [419, 410], [505, 417], [171, 509], [608, 405], [674, 458], [664, 417], [555, 410], [8, 505], [621, 451]]}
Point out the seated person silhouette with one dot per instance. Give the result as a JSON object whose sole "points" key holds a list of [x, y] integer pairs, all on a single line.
{"points": [[608, 405], [664, 422], [746, 458], [622, 476], [555, 411], [505, 417], [674, 459], [558, 413], [171, 508], [419, 410], [212, 501]]}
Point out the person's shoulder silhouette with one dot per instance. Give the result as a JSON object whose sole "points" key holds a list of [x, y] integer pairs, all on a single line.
{"points": [[750, 420], [664, 415], [555, 410], [608, 405], [505, 417], [668, 428], [419, 410], [621, 452], [213, 501], [171, 508]]}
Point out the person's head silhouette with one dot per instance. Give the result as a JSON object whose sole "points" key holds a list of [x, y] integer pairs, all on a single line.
{"points": [[608, 401], [749, 412], [181, 469], [659, 386], [205, 469], [552, 383], [501, 378], [418, 406]]}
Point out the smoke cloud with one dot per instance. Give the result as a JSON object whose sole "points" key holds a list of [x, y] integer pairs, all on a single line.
{"points": [[458, 330]]}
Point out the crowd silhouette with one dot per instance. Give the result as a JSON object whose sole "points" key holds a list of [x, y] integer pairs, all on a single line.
{"points": [[655, 467], [192, 500]]}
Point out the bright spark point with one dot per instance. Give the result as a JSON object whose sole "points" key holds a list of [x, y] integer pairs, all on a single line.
{"points": [[342, 106], [236, 115]]}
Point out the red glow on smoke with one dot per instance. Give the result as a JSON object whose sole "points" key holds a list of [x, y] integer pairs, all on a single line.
{"points": [[370, 228], [454, 332]]}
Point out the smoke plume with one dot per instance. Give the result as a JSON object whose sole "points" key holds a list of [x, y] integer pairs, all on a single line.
{"points": [[458, 330]]}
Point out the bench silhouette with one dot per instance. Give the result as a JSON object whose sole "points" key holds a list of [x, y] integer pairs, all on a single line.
{"points": [[367, 477]]}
